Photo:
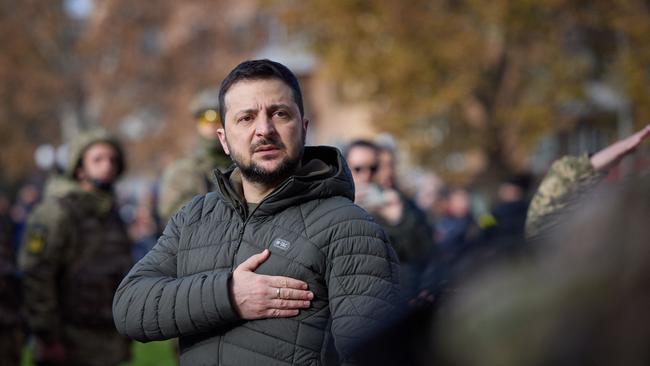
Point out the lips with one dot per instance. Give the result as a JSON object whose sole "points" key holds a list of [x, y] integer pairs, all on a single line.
{"points": [[265, 148]]}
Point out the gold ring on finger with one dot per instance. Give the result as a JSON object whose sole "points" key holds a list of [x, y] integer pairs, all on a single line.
{"points": [[277, 294]]}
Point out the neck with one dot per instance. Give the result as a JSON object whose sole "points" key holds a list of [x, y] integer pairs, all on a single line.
{"points": [[256, 192]]}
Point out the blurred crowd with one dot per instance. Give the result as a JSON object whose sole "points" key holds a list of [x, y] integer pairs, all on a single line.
{"points": [[561, 257]]}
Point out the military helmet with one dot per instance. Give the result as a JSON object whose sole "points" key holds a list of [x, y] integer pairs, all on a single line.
{"points": [[82, 141], [205, 106]]}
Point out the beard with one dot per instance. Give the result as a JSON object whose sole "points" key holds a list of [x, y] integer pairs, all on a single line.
{"points": [[254, 173]]}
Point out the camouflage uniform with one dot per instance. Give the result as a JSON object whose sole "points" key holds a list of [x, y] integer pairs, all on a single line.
{"points": [[75, 253], [568, 180], [581, 301], [189, 177], [11, 335], [58, 185]]}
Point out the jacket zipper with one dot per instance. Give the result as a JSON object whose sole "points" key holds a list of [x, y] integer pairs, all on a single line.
{"points": [[241, 237], [245, 221], [250, 214]]}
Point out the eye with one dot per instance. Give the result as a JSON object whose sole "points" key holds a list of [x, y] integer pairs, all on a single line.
{"points": [[245, 118], [282, 114]]}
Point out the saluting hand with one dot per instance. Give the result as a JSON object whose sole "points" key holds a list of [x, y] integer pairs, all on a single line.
{"points": [[256, 296], [612, 154]]}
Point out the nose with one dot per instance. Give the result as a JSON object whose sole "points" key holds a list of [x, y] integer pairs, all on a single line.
{"points": [[264, 126]]}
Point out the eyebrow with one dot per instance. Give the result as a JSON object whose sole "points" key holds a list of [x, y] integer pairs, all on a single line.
{"points": [[246, 111], [274, 107]]}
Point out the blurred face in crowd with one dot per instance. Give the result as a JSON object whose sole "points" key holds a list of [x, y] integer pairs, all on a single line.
{"points": [[363, 162], [385, 176], [263, 133], [510, 193], [458, 205], [99, 163], [28, 194]]}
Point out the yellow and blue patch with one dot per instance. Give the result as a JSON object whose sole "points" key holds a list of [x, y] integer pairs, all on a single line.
{"points": [[35, 240]]}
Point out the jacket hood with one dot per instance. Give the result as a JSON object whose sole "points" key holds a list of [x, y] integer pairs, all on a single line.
{"points": [[82, 141], [322, 174]]}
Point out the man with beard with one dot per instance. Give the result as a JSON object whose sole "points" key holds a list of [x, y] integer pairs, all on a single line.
{"points": [[261, 270], [75, 252], [374, 175]]}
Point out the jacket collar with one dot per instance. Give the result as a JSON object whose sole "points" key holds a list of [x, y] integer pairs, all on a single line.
{"points": [[323, 174]]}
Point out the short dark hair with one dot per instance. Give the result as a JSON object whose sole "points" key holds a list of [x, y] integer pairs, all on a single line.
{"points": [[360, 143], [256, 70]]}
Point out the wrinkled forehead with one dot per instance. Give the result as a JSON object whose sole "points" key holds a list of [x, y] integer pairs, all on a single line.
{"points": [[257, 94]]}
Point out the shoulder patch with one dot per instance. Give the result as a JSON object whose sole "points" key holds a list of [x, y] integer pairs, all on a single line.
{"points": [[35, 240]]}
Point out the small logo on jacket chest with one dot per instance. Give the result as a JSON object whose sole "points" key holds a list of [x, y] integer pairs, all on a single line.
{"points": [[281, 244]]}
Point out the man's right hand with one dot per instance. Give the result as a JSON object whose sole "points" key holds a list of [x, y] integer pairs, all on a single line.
{"points": [[256, 296]]}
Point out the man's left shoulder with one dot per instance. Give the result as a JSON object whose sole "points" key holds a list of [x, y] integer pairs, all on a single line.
{"points": [[338, 219], [339, 208]]}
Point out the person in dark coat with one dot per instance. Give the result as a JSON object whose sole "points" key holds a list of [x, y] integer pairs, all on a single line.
{"points": [[503, 229], [374, 174]]}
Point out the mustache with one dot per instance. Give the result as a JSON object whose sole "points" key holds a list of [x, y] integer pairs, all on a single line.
{"points": [[266, 142]]}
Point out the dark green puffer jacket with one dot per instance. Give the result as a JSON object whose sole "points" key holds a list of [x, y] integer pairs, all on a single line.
{"points": [[314, 232]]}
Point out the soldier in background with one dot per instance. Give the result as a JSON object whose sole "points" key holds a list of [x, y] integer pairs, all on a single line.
{"points": [[194, 175], [582, 298], [75, 253], [570, 179], [11, 334]]}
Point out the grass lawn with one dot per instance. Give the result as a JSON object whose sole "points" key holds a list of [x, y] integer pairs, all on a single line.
{"points": [[144, 354]]}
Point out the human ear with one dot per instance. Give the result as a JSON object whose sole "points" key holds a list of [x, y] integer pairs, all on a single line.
{"points": [[305, 125], [222, 138]]}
